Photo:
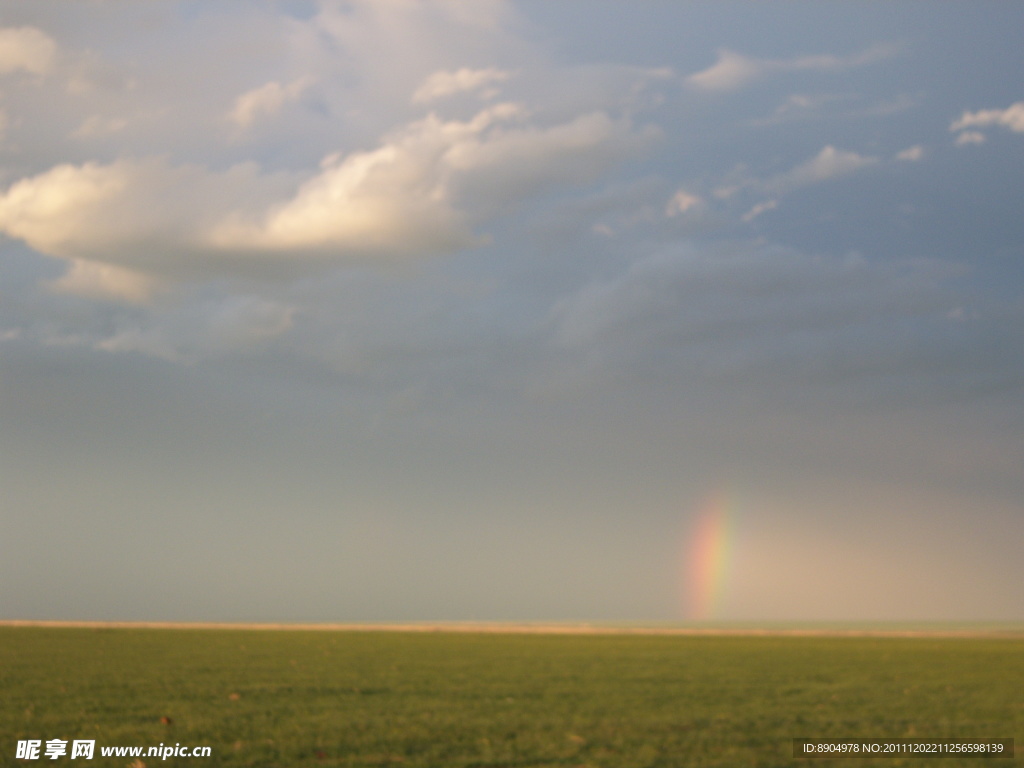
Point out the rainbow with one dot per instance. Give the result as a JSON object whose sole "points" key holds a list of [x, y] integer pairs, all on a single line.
{"points": [[707, 557]]}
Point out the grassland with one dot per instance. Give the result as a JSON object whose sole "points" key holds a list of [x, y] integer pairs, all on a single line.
{"points": [[298, 698]]}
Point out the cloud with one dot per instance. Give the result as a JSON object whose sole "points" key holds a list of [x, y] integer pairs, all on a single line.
{"points": [[104, 281], [384, 201], [970, 137], [26, 49], [911, 154], [97, 127], [682, 202], [54, 212], [130, 212], [381, 52], [420, 191], [493, 170], [734, 71], [757, 210], [132, 184], [828, 164], [731, 72], [772, 319], [445, 83], [194, 331], [798, 107], [265, 101], [1012, 118], [751, 290]]}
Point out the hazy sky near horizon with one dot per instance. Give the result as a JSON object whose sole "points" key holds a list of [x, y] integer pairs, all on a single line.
{"points": [[391, 310]]}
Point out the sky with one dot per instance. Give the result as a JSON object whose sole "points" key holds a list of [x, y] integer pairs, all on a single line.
{"points": [[426, 310]]}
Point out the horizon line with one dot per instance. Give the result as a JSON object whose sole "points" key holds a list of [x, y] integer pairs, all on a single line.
{"points": [[966, 629]]}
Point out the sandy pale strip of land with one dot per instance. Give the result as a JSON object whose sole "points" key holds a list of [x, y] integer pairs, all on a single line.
{"points": [[1004, 631]]}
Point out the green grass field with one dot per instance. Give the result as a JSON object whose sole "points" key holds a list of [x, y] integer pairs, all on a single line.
{"points": [[294, 698]]}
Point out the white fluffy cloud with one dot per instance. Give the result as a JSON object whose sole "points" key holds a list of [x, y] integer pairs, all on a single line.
{"points": [[911, 154], [758, 209], [265, 101], [1012, 118], [381, 53], [135, 184], [105, 281], [26, 49], [387, 200], [734, 71], [731, 72], [423, 188], [136, 213], [828, 164], [420, 191], [682, 202], [970, 137], [445, 83]]}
